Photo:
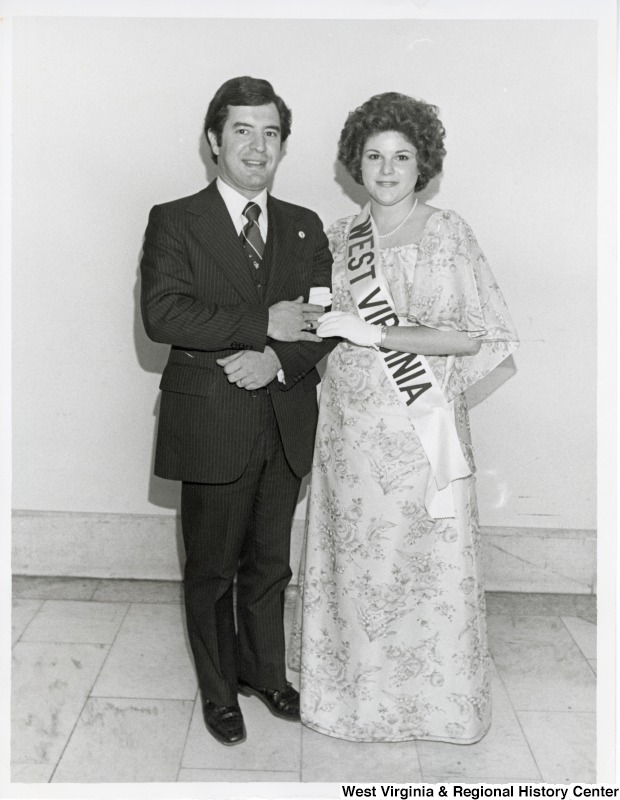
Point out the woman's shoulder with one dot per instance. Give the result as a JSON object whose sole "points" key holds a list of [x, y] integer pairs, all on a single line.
{"points": [[341, 224], [338, 231], [447, 224], [442, 216], [447, 234]]}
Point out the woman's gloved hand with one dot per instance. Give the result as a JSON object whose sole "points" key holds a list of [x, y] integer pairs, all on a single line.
{"points": [[348, 326]]}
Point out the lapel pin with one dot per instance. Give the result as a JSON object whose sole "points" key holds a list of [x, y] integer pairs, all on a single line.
{"points": [[302, 235]]}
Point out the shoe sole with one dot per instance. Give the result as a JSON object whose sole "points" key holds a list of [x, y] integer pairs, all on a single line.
{"points": [[247, 691]]}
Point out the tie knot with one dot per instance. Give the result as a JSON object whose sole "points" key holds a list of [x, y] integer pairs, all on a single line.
{"points": [[252, 212]]}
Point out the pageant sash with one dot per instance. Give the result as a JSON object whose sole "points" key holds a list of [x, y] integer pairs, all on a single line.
{"points": [[408, 373]]}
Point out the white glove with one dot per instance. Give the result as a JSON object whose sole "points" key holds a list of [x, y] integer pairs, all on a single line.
{"points": [[349, 326]]}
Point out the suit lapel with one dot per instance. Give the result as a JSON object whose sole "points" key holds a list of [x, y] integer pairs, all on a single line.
{"points": [[284, 238], [216, 232]]}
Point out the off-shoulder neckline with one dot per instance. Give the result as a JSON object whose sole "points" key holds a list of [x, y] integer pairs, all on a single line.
{"points": [[410, 244]]}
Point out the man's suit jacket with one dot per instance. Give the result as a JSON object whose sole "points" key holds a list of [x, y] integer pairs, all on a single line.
{"points": [[199, 295]]}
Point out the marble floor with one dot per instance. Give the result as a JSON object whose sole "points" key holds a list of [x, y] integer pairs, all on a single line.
{"points": [[104, 690]]}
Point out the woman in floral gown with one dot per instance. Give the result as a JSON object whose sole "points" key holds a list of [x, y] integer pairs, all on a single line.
{"points": [[390, 634]]}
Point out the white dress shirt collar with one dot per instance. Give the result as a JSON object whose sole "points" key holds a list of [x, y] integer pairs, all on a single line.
{"points": [[235, 203]]}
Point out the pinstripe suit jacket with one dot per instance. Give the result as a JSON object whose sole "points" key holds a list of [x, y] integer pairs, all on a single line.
{"points": [[198, 295]]}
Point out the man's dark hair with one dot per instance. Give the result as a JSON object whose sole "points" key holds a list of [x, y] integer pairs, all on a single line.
{"points": [[244, 91]]}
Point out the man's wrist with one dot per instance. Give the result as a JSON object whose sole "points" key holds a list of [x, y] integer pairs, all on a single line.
{"points": [[274, 356]]}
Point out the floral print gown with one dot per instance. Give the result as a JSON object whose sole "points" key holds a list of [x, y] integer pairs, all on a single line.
{"points": [[390, 632]]}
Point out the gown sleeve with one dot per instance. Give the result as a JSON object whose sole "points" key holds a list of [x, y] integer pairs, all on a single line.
{"points": [[454, 289]]}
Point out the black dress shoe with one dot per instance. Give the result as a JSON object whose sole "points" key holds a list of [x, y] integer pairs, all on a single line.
{"points": [[225, 723], [283, 703]]}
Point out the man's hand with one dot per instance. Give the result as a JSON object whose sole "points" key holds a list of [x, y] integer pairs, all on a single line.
{"points": [[251, 370], [291, 321]]}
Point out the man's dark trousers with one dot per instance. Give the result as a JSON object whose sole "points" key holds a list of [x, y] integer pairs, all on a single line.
{"points": [[241, 527]]}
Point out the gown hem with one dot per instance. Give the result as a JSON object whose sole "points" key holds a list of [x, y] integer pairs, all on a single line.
{"points": [[395, 739]]}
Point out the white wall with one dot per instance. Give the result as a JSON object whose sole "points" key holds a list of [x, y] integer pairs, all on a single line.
{"points": [[107, 121]]}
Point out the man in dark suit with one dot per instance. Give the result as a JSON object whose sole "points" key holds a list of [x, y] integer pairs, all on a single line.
{"points": [[224, 276]]}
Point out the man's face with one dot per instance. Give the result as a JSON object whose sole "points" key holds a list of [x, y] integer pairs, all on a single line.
{"points": [[250, 149]]}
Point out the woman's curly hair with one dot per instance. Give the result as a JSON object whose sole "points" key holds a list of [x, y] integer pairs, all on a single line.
{"points": [[416, 120]]}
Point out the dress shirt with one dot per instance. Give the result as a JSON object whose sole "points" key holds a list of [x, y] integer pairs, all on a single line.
{"points": [[235, 203]]}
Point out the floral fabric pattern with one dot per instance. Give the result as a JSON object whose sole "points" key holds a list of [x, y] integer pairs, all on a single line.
{"points": [[390, 632]]}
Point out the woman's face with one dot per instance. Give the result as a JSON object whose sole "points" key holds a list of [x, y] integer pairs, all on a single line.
{"points": [[389, 167]]}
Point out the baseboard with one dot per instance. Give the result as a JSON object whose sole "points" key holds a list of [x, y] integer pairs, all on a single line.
{"points": [[77, 544]]}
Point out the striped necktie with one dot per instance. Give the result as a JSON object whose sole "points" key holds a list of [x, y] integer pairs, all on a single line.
{"points": [[250, 236]]}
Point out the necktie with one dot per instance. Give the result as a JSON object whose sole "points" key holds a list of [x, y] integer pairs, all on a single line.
{"points": [[250, 236]]}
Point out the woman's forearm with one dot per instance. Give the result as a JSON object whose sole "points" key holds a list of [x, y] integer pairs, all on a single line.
{"points": [[429, 341]]}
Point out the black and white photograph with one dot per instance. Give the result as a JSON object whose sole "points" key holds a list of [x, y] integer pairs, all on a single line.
{"points": [[310, 411]]}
